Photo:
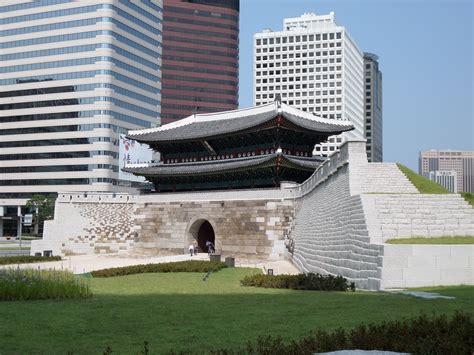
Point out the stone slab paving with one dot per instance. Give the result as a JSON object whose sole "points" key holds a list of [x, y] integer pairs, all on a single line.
{"points": [[279, 267], [86, 263], [426, 295]]}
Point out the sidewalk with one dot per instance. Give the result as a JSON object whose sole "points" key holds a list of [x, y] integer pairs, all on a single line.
{"points": [[80, 264]]}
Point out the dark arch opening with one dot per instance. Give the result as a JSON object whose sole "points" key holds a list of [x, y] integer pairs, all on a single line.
{"points": [[205, 233]]}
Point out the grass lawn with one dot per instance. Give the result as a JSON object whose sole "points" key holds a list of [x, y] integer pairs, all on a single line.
{"points": [[438, 240], [179, 311], [468, 197], [14, 248], [424, 185]]}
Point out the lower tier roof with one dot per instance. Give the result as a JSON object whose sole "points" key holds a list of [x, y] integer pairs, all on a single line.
{"points": [[228, 165]]}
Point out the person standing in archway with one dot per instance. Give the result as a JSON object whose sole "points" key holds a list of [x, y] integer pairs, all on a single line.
{"points": [[210, 247], [195, 245], [191, 249]]}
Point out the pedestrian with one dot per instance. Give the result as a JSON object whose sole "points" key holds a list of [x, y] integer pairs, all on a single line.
{"points": [[195, 244], [210, 247], [191, 249]]}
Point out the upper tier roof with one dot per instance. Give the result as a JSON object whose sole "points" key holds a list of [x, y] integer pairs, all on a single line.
{"points": [[215, 124]]}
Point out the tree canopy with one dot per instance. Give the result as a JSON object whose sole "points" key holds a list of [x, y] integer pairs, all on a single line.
{"points": [[44, 205]]}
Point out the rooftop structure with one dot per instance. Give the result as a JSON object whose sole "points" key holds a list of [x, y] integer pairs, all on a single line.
{"points": [[255, 147]]}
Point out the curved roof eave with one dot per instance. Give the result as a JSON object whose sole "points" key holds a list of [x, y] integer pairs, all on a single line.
{"points": [[197, 168], [214, 124]]}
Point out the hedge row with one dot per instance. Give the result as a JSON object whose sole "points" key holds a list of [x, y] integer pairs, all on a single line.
{"points": [[25, 259], [179, 266], [435, 334], [308, 281]]}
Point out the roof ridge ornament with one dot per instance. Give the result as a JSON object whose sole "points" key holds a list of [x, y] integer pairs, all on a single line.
{"points": [[278, 100]]}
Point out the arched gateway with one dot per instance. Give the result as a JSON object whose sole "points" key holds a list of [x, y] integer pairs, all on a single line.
{"points": [[201, 230]]}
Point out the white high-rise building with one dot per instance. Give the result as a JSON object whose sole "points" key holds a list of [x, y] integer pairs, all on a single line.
{"points": [[75, 74], [314, 65]]}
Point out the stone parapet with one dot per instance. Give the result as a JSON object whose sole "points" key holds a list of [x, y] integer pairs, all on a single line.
{"points": [[96, 197]]}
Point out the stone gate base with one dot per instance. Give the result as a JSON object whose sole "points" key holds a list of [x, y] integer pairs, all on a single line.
{"points": [[246, 224]]}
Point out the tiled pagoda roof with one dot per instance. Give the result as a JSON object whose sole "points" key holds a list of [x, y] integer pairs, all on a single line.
{"points": [[228, 165], [202, 126]]}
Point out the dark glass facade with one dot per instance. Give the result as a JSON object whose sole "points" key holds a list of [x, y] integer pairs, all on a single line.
{"points": [[200, 71]]}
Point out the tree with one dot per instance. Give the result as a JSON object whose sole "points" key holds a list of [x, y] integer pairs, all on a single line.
{"points": [[43, 208]]}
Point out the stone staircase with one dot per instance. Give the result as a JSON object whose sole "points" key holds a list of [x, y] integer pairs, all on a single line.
{"points": [[384, 178], [408, 215]]}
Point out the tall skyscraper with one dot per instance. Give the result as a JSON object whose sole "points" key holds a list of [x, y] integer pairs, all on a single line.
{"points": [[314, 65], [373, 108], [459, 161], [74, 76], [200, 57]]}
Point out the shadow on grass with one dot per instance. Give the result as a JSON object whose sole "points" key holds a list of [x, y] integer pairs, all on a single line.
{"points": [[199, 322]]}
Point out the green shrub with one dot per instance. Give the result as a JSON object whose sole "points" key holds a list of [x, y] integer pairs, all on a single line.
{"points": [[179, 266], [25, 259], [436, 334], [308, 281], [30, 284]]}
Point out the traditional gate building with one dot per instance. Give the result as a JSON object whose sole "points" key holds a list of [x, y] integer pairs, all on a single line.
{"points": [[250, 148], [246, 181]]}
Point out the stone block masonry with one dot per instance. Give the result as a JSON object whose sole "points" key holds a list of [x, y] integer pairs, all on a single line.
{"points": [[95, 223], [250, 230]]}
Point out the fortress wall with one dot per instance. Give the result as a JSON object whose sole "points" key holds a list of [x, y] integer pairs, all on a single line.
{"points": [[330, 234], [245, 229], [344, 219], [88, 224], [336, 222]]}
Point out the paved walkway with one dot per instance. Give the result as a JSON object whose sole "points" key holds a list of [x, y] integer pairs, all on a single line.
{"points": [[79, 264]]}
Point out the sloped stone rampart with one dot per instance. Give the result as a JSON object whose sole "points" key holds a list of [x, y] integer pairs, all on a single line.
{"points": [[330, 234], [343, 220]]}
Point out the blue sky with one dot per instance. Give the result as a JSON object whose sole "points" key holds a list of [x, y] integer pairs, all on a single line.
{"points": [[425, 51]]}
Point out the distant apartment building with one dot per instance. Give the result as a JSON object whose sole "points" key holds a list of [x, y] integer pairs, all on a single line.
{"points": [[200, 57], [459, 161], [447, 179], [373, 108], [314, 65], [74, 76]]}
